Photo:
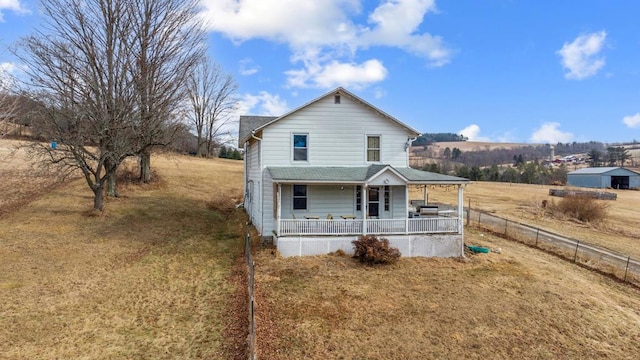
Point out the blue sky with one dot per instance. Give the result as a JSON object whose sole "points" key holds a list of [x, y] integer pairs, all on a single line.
{"points": [[496, 70]]}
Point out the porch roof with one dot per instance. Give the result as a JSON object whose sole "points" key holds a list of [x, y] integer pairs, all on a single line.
{"points": [[356, 175]]}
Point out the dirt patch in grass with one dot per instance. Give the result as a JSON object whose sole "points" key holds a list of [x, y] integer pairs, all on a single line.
{"points": [[152, 277], [519, 304]]}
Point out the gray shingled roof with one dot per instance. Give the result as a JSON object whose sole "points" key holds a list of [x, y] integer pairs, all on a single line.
{"points": [[355, 174], [415, 175], [249, 123], [598, 170]]}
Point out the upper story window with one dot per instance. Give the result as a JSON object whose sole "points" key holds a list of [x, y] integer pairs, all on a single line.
{"points": [[336, 99], [300, 147], [373, 147]]}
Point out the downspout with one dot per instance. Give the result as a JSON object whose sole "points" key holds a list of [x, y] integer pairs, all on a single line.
{"points": [[253, 135], [246, 175]]}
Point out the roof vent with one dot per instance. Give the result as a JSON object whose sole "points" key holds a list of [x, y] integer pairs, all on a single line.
{"points": [[336, 99]]}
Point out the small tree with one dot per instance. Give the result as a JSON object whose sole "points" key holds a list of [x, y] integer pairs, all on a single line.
{"points": [[455, 153], [595, 158], [447, 153], [212, 99]]}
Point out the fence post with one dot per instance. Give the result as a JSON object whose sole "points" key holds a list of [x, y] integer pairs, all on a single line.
{"points": [[251, 285], [575, 256], [537, 236], [626, 270], [469, 213]]}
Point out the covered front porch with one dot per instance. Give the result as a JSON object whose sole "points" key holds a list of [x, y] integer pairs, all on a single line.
{"points": [[445, 221], [336, 205]]}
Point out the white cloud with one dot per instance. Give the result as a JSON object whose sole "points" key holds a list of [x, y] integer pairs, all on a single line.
{"points": [[549, 132], [472, 132], [336, 74], [379, 93], [13, 5], [632, 121], [326, 34], [580, 57], [394, 25], [262, 104], [247, 67]]}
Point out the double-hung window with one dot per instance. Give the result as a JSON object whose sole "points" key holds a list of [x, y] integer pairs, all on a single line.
{"points": [[373, 147], [300, 147], [299, 197]]}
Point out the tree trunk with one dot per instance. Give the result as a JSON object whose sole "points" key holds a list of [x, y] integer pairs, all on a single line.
{"points": [[200, 144], [98, 197], [112, 179], [145, 167], [112, 185]]}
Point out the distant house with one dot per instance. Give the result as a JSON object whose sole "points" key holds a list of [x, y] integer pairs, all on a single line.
{"points": [[604, 177], [336, 168]]}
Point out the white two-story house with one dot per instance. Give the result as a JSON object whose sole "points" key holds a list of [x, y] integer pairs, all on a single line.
{"points": [[321, 175]]}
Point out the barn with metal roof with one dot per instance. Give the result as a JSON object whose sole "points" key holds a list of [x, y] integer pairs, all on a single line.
{"points": [[604, 177]]}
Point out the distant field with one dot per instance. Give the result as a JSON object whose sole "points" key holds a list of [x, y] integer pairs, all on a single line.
{"points": [[522, 203], [478, 145]]}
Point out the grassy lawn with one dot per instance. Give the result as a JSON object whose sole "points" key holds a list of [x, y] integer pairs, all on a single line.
{"points": [[153, 277], [159, 276], [519, 304]]}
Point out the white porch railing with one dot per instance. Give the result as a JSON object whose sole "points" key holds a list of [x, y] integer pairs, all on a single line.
{"points": [[424, 225]]}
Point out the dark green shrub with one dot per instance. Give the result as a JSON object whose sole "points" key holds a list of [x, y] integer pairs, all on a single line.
{"points": [[371, 250]]}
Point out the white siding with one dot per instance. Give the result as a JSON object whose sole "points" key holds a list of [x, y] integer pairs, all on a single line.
{"points": [[254, 180], [268, 197], [331, 199], [321, 201], [337, 136], [398, 202]]}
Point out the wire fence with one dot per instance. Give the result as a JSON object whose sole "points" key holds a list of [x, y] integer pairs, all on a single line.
{"points": [[620, 266], [248, 258]]}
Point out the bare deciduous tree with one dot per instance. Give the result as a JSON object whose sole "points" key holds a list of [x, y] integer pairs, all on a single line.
{"points": [[8, 115], [108, 74], [9, 104], [77, 72], [212, 100], [167, 44]]}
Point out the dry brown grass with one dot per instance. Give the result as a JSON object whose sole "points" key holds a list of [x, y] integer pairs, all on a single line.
{"points": [[522, 203], [152, 277], [20, 183], [519, 304]]}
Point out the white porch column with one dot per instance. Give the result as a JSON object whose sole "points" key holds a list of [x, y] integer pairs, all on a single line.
{"points": [[279, 210], [406, 210], [365, 208], [460, 209]]}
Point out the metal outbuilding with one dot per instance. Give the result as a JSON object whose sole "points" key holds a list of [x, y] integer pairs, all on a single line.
{"points": [[604, 177]]}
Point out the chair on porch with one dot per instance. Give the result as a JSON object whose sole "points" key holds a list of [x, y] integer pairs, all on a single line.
{"points": [[329, 217]]}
